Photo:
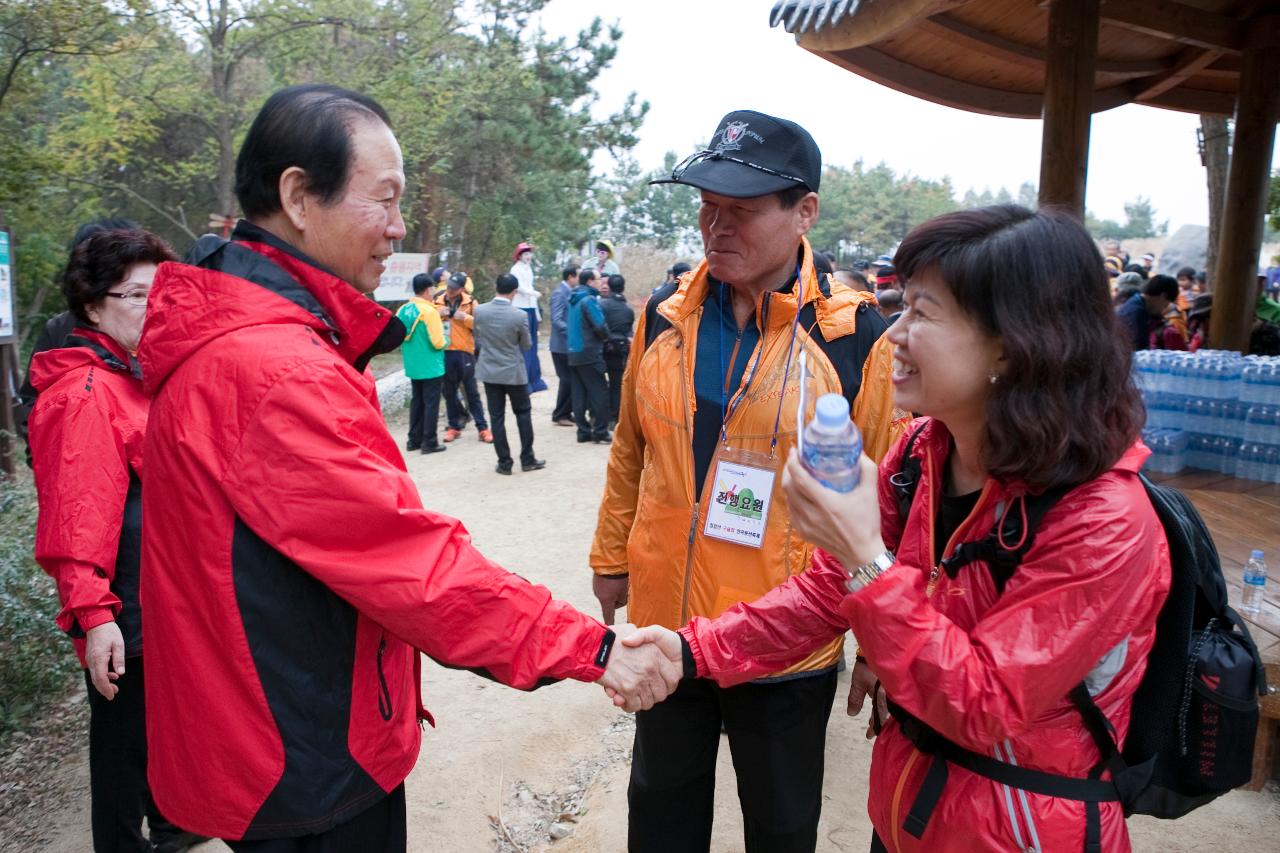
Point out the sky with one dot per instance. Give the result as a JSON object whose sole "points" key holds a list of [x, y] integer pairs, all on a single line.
{"points": [[695, 60]]}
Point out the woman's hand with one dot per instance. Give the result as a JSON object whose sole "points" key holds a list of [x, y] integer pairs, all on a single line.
{"points": [[845, 524], [862, 685], [104, 655]]}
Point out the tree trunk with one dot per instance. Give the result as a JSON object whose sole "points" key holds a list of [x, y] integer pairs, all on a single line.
{"points": [[1217, 141]]}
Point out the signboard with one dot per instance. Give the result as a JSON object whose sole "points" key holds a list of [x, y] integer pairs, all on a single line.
{"points": [[396, 284], [8, 299]]}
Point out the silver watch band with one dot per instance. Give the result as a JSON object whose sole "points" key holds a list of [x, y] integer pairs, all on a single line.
{"points": [[865, 574]]}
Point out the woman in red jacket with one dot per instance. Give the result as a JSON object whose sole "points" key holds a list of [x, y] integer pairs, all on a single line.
{"points": [[86, 443], [1009, 347]]}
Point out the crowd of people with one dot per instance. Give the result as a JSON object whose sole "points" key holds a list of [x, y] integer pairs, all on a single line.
{"points": [[288, 576]]}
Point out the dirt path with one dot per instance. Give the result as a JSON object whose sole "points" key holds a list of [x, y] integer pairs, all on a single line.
{"points": [[563, 750]]}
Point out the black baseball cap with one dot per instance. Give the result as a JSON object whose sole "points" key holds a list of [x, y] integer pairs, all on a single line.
{"points": [[752, 154]]}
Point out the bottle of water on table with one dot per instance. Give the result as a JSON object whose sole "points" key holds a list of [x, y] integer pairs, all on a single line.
{"points": [[1255, 585], [832, 444]]}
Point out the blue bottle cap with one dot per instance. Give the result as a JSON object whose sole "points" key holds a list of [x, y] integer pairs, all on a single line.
{"points": [[1257, 554]]}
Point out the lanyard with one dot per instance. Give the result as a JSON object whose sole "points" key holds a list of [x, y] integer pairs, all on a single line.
{"points": [[726, 411]]}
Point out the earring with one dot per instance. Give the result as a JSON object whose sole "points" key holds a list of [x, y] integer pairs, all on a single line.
{"points": [[994, 377]]}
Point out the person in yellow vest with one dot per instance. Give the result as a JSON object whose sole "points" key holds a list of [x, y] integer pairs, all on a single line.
{"points": [[709, 407], [423, 354]]}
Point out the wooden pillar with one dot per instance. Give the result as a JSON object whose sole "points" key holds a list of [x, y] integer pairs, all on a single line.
{"points": [[1068, 102], [1235, 288]]}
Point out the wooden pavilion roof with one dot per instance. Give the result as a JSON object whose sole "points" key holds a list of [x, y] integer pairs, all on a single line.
{"points": [[988, 56]]}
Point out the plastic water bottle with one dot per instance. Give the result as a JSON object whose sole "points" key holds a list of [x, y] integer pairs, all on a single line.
{"points": [[832, 444], [1255, 585]]}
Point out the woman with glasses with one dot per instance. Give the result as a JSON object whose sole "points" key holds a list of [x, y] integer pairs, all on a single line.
{"points": [[86, 436]]}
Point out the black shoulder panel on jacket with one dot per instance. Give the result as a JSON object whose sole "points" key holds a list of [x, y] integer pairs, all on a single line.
{"points": [[655, 323], [849, 353]]}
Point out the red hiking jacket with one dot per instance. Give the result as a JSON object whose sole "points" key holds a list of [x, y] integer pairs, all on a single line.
{"points": [[301, 569], [86, 434], [990, 672]]}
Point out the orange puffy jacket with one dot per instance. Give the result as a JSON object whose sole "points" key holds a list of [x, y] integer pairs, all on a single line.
{"points": [[676, 572]]}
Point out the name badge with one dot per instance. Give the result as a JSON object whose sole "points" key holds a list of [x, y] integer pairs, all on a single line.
{"points": [[738, 509]]}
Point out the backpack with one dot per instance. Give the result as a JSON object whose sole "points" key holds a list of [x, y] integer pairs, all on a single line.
{"points": [[1197, 701]]}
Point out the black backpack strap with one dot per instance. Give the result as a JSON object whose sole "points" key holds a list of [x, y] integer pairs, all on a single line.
{"points": [[907, 479], [1002, 561]]}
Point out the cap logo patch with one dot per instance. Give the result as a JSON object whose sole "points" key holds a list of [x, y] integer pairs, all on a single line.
{"points": [[732, 135]]}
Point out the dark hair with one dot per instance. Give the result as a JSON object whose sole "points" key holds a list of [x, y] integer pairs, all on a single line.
{"points": [[859, 279], [106, 223], [568, 272], [1187, 272], [1065, 408], [890, 298], [100, 262], [1137, 269], [679, 269], [821, 265], [586, 276], [1125, 292], [307, 126], [506, 283], [422, 281], [1161, 285], [617, 283], [790, 197]]}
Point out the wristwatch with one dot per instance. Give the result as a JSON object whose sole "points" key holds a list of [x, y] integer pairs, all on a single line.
{"points": [[865, 574]]}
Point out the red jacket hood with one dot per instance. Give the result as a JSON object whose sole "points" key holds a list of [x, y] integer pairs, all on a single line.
{"points": [[84, 347], [254, 279]]}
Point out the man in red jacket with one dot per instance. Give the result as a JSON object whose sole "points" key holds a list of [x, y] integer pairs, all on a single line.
{"points": [[301, 573]]}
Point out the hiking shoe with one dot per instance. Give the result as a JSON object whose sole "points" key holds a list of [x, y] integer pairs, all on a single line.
{"points": [[564, 422], [452, 434], [486, 436], [503, 469], [535, 465], [434, 448]]}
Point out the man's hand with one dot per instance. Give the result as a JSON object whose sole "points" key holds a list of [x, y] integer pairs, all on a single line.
{"points": [[443, 312], [639, 676], [612, 594], [461, 315], [104, 654], [861, 685]]}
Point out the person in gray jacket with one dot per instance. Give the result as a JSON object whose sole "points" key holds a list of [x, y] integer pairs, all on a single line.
{"points": [[562, 414], [502, 331]]}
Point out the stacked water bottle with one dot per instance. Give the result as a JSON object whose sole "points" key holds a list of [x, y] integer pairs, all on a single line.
{"points": [[1214, 410]]}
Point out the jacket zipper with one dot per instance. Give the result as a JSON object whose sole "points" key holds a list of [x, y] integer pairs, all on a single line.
{"points": [[384, 692], [896, 805], [697, 507]]}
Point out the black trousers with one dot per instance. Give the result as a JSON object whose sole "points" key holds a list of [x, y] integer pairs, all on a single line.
{"points": [[381, 828], [615, 364], [520, 406], [119, 796], [590, 394], [777, 734], [424, 412], [460, 372], [564, 389]]}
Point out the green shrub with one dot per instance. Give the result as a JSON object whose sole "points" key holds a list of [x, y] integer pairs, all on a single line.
{"points": [[36, 659]]}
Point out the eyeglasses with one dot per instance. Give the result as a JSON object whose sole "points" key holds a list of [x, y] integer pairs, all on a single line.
{"points": [[708, 154], [136, 298]]}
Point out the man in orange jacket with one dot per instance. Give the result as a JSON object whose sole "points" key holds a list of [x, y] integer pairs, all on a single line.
{"points": [[709, 409]]}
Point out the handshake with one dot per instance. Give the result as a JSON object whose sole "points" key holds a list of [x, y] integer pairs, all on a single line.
{"points": [[644, 667]]}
